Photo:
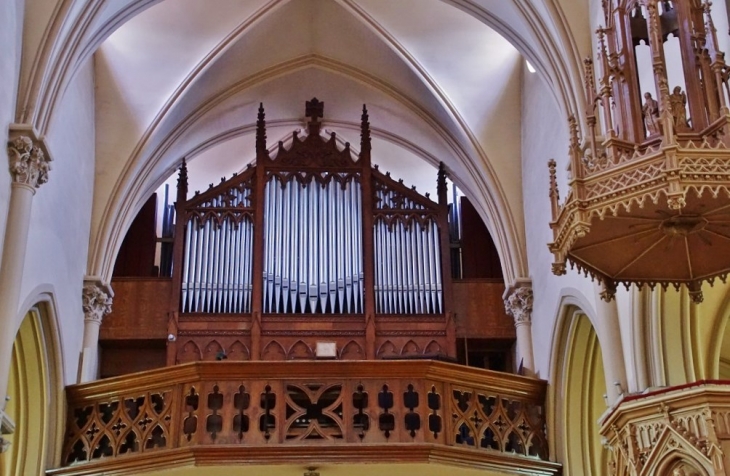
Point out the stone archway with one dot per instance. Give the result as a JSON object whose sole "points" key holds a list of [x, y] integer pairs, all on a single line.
{"points": [[29, 410]]}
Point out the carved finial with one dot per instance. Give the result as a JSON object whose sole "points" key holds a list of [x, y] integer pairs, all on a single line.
{"points": [[441, 185], [28, 164], [554, 195], [518, 305], [695, 291], [182, 182], [96, 301], [364, 132], [314, 110], [261, 132], [589, 81], [553, 179], [574, 135]]}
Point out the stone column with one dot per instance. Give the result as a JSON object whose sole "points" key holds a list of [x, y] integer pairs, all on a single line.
{"points": [[29, 167], [518, 304], [97, 303], [609, 336]]}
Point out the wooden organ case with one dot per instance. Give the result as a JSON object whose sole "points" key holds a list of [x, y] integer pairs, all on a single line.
{"points": [[310, 246]]}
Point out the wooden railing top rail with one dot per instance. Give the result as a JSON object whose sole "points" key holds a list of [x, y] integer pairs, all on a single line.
{"points": [[507, 385]]}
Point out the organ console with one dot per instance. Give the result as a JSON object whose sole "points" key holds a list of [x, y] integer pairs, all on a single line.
{"points": [[311, 244]]}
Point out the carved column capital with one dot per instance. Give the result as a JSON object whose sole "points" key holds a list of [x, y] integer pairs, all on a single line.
{"points": [[518, 305], [97, 301], [29, 164]]}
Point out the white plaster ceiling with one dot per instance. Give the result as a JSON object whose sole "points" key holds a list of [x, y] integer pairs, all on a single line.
{"points": [[184, 78]]}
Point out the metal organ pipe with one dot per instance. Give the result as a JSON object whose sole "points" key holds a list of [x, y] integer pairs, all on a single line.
{"points": [[313, 250], [217, 259], [407, 257]]}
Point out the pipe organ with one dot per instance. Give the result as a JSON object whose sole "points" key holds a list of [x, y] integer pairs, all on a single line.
{"points": [[311, 244]]}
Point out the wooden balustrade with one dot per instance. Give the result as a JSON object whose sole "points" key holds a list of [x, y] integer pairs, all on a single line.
{"points": [[307, 408]]}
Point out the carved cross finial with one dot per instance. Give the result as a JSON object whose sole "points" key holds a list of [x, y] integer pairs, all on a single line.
{"points": [[261, 132], [29, 165], [96, 301], [314, 110], [519, 305]]}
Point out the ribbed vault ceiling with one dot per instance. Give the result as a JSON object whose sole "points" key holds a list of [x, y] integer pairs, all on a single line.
{"points": [[184, 78]]}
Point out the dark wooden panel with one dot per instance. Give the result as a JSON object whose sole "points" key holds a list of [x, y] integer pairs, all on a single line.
{"points": [[139, 310], [128, 356], [480, 310], [137, 255], [479, 255]]}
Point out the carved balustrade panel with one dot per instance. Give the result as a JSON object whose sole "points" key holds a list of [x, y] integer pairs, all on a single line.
{"points": [[306, 403], [126, 423]]}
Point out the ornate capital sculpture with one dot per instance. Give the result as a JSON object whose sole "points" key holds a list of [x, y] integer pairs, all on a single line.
{"points": [[519, 305], [28, 163], [97, 301]]}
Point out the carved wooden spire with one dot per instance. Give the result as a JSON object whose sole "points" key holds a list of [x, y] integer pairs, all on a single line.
{"points": [[441, 185], [365, 132], [182, 182], [261, 132], [554, 196]]}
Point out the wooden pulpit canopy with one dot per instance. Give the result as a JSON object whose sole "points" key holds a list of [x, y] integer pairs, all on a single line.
{"points": [[310, 248], [648, 200]]}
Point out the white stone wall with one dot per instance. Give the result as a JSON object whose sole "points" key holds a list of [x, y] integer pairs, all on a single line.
{"points": [[10, 51], [544, 137], [60, 220]]}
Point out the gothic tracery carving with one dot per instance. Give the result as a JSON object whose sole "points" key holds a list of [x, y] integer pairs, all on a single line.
{"points": [[653, 435]]}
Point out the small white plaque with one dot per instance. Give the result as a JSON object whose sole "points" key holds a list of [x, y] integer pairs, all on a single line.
{"points": [[326, 350]]}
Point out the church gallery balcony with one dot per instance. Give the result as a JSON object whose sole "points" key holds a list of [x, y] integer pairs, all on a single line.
{"points": [[302, 412]]}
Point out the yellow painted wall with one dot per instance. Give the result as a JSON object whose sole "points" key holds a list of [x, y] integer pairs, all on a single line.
{"points": [[28, 405]]}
